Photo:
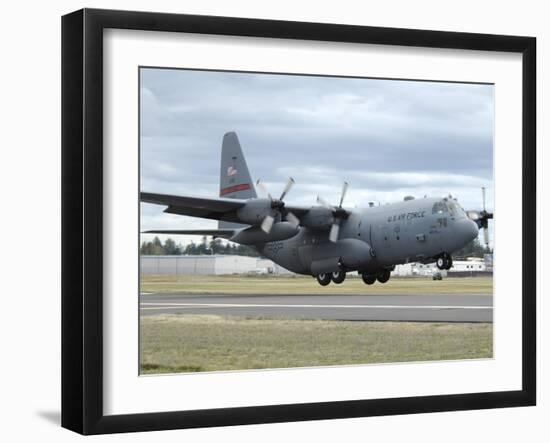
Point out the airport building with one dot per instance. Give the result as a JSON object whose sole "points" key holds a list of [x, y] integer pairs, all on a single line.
{"points": [[240, 264], [471, 266], [208, 265]]}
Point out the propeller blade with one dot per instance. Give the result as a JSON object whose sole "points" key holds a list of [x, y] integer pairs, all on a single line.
{"points": [[344, 191], [289, 185], [267, 223], [292, 219], [263, 189], [483, 197], [334, 231], [486, 236]]}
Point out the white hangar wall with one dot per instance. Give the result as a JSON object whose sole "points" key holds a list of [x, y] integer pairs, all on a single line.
{"points": [[208, 265]]}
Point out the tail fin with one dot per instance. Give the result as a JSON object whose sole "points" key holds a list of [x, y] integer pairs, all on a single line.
{"points": [[235, 180]]}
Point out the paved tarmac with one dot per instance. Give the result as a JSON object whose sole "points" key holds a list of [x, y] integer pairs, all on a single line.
{"points": [[418, 307]]}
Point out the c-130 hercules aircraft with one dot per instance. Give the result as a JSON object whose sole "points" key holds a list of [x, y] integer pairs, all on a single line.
{"points": [[324, 240]]}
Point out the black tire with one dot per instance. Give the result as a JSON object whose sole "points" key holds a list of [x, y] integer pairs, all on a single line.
{"points": [[338, 277], [449, 263], [324, 279], [441, 262], [384, 276], [368, 279]]}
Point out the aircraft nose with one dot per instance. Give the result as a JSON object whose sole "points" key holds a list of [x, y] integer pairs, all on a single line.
{"points": [[470, 230]]}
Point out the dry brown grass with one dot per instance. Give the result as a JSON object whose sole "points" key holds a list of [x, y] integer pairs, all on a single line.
{"points": [[205, 284], [191, 343]]}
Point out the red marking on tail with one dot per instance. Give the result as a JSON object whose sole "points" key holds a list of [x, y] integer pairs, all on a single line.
{"points": [[235, 188]]}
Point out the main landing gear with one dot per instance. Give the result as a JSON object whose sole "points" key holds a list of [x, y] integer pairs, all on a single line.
{"points": [[323, 279], [444, 261], [336, 277], [383, 276], [368, 279], [339, 276]]}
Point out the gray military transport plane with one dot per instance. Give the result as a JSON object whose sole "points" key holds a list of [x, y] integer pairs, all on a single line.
{"points": [[325, 240]]}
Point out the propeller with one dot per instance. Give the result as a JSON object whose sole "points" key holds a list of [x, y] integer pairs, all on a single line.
{"points": [[338, 213], [277, 206], [482, 218], [485, 217]]}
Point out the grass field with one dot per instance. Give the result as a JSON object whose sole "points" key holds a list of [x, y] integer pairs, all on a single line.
{"points": [[191, 343], [230, 284]]}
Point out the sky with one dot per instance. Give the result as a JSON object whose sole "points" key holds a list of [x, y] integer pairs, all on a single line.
{"points": [[387, 138]]}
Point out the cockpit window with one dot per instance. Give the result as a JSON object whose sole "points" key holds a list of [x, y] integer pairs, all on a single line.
{"points": [[452, 207], [455, 209], [460, 209], [439, 208]]}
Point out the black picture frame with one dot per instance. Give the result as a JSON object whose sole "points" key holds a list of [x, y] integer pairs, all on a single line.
{"points": [[82, 218]]}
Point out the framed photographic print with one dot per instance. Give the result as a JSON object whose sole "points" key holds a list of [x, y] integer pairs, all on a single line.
{"points": [[269, 221]]}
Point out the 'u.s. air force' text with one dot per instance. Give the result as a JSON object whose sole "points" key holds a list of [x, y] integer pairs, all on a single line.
{"points": [[406, 216]]}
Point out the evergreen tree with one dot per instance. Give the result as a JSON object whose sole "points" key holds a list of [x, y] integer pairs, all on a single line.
{"points": [[171, 248], [472, 249], [156, 247], [205, 247]]}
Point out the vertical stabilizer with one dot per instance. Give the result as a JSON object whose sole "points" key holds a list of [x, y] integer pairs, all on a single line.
{"points": [[235, 180]]}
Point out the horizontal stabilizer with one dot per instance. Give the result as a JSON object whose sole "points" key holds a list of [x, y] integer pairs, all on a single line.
{"points": [[223, 233]]}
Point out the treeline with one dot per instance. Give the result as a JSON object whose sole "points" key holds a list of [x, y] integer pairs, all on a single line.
{"points": [[215, 246], [473, 249]]}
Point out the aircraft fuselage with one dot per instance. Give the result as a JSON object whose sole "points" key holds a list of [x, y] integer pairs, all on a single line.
{"points": [[377, 237]]}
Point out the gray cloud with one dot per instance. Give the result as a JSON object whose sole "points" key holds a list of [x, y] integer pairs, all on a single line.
{"points": [[387, 138]]}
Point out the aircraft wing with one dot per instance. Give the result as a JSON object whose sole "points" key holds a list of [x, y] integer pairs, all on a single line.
{"points": [[223, 233], [212, 208], [298, 211], [204, 207]]}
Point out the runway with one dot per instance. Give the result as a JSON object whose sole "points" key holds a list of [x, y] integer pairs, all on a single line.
{"points": [[418, 307]]}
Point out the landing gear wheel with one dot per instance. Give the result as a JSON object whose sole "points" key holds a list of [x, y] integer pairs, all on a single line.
{"points": [[444, 262], [323, 279], [338, 277], [384, 276], [369, 279]]}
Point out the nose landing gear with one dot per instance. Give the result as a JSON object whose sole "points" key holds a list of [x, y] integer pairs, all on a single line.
{"points": [[444, 261]]}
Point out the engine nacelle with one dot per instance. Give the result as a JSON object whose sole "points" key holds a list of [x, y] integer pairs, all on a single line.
{"points": [[317, 218], [254, 234], [254, 211], [349, 254]]}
